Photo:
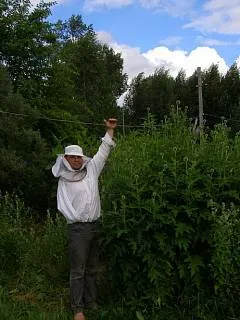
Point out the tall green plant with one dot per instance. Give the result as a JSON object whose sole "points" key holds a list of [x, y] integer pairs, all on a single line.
{"points": [[157, 216]]}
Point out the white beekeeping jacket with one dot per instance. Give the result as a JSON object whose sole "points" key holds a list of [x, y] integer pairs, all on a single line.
{"points": [[78, 194]]}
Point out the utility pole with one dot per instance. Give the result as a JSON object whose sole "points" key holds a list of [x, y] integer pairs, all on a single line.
{"points": [[200, 98], [123, 121]]}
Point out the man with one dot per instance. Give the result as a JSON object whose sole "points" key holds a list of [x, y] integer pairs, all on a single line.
{"points": [[79, 201]]}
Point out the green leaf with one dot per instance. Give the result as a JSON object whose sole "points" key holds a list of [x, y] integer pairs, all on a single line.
{"points": [[139, 315]]}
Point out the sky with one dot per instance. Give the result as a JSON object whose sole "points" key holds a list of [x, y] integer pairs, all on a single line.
{"points": [[175, 34]]}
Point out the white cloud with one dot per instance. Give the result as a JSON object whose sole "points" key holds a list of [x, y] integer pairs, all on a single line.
{"points": [[220, 4], [136, 61], [176, 60], [174, 7], [171, 41], [91, 5], [104, 37], [214, 42], [164, 57], [238, 62], [220, 16]]}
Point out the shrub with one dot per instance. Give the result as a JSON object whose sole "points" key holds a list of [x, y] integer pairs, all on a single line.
{"points": [[226, 257], [158, 225]]}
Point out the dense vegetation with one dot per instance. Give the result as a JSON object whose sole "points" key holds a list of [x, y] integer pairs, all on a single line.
{"points": [[171, 221], [170, 233], [58, 83], [170, 241]]}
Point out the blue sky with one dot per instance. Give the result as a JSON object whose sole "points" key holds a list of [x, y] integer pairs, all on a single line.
{"points": [[154, 33]]}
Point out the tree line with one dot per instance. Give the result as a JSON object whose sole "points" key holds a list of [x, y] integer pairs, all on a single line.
{"points": [[56, 78], [157, 92]]}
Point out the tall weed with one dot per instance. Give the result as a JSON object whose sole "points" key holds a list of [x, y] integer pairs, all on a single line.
{"points": [[34, 260], [158, 225], [13, 235]]}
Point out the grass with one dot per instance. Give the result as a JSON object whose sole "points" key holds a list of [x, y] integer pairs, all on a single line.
{"points": [[14, 305]]}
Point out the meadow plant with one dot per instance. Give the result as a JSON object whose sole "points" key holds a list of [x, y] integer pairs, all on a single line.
{"points": [[158, 221], [12, 235], [33, 256]]}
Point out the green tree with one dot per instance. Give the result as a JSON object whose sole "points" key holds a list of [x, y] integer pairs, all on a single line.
{"points": [[87, 77], [191, 95], [211, 95], [24, 154], [154, 93], [26, 44], [134, 102], [180, 87], [72, 29], [230, 97]]}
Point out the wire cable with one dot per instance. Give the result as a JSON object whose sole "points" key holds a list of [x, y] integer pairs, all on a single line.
{"points": [[69, 121], [102, 124], [221, 117]]}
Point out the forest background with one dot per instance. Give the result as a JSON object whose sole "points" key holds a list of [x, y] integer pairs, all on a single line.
{"points": [[170, 197]]}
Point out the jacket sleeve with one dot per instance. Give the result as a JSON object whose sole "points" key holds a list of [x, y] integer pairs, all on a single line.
{"points": [[56, 168], [101, 156]]}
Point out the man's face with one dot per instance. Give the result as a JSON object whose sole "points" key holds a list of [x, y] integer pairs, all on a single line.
{"points": [[75, 161]]}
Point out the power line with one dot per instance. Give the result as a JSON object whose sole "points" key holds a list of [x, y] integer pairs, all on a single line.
{"points": [[102, 124], [69, 121], [221, 117]]}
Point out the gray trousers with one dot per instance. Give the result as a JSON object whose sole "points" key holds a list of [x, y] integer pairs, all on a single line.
{"points": [[83, 264]]}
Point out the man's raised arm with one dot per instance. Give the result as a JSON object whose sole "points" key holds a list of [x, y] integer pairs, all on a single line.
{"points": [[107, 144]]}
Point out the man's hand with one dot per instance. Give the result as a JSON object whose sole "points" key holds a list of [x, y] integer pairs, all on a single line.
{"points": [[111, 123]]}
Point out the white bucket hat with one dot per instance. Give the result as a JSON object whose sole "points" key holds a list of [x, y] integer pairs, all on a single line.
{"points": [[74, 150]]}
